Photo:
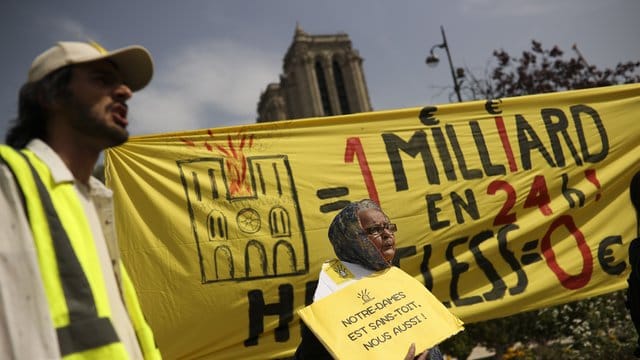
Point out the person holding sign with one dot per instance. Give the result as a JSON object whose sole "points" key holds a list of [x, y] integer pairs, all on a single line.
{"points": [[364, 242]]}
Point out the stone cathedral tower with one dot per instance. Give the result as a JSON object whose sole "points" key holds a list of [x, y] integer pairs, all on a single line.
{"points": [[322, 76]]}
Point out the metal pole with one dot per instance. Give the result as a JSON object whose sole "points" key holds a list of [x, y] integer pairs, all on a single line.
{"points": [[456, 85]]}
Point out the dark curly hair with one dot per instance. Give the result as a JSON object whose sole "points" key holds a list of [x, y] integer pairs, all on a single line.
{"points": [[34, 97]]}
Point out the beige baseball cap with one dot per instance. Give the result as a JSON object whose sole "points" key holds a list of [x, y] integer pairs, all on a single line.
{"points": [[133, 62]]}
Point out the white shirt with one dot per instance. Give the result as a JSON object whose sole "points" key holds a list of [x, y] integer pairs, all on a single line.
{"points": [[327, 285], [26, 329]]}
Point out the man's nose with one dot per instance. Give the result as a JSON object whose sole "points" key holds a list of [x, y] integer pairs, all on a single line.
{"points": [[123, 92]]}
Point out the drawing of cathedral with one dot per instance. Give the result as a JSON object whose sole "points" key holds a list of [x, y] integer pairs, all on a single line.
{"points": [[246, 222]]}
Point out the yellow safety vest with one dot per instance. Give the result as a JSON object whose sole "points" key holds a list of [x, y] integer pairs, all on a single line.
{"points": [[70, 268]]}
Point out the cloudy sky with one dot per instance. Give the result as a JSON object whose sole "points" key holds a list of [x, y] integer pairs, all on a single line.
{"points": [[214, 57]]}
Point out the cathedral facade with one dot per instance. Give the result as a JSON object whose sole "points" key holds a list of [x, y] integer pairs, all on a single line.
{"points": [[322, 76]]}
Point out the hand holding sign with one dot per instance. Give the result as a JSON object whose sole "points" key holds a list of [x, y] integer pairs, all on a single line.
{"points": [[412, 353]]}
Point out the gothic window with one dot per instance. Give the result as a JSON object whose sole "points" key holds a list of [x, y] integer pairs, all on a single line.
{"points": [[322, 86], [342, 92], [279, 222], [284, 258], [254, 254], [223, 262], [217, 226]]}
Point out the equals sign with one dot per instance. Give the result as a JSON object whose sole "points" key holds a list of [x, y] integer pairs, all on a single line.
{"points": [[333, 193], [528, 256]]}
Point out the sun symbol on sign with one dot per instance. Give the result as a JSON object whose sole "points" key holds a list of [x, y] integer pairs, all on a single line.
{"points": [[248, 220], [365, 296], [341, 270]]}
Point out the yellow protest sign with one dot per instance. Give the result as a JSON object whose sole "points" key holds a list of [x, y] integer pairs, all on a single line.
{"points": [[379, 316], [502, 206]]}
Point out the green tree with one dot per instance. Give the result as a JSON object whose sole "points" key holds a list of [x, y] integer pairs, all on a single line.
{"points": [[542, 71], [596, 328]]}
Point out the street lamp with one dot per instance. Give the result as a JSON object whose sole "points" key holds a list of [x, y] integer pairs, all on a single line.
{"points": [[432, 61]]}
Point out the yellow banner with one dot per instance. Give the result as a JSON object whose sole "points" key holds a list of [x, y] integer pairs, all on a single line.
{"points": [[502, 206], [379, 317]]}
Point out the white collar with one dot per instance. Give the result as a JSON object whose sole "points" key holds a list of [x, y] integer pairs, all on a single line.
{"points": [[59, 170]]}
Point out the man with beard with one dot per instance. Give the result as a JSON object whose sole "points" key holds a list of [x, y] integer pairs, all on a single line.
{"points": [[63, 288]]}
